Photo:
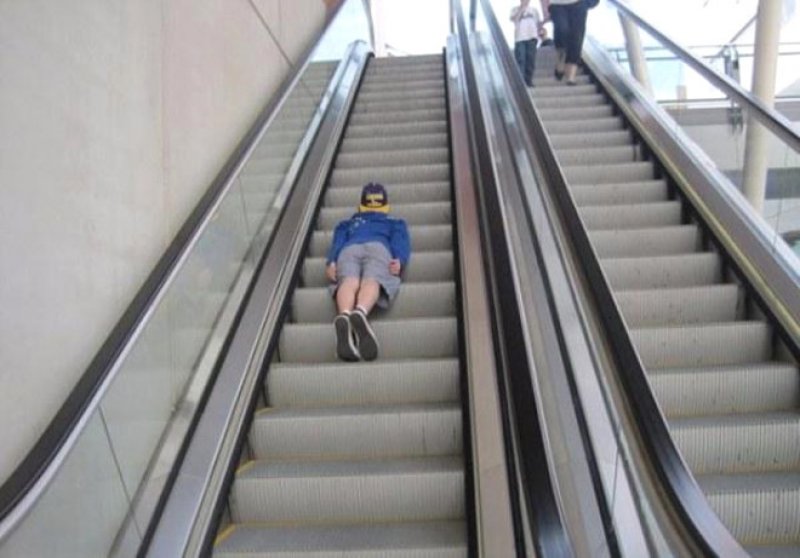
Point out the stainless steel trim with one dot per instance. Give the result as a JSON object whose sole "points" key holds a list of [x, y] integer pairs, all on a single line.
{"points": [[493, 517], [769, 117], [768, 265], [188, 513]]}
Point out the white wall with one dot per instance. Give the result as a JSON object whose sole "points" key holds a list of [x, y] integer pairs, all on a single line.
{"points": [[115, 115]]}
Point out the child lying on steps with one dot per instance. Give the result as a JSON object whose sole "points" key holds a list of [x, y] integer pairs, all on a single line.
{"points": [[367, 255]]}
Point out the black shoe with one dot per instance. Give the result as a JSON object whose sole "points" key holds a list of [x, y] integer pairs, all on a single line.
{"points": [[367, 341], [345, 346], [559, 75]]}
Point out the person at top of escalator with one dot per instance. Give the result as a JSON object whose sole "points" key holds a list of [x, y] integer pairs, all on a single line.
{"points": [[526, 27], [364, 265]]}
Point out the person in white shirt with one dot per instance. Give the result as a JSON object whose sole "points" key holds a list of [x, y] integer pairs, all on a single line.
{"points": [[526, 28], [569, 27]]}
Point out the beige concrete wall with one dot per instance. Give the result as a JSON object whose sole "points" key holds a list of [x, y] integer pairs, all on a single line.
{"points": [[114, 118]]}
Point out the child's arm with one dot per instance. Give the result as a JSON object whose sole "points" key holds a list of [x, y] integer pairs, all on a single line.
{"points": [[339, 238], [516, 14], [400, 242]]}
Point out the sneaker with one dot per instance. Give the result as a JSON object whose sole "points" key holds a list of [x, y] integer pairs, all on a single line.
{"points": [[367, 341], [345, 346]]}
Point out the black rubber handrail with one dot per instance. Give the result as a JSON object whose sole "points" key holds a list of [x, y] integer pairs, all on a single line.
{"points": [[769, 117], [71, 413]]}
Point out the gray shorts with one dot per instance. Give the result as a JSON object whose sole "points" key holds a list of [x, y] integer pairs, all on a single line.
{"points": [[368, 261]]}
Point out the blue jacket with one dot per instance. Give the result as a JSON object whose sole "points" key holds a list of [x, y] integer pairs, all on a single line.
{"points": [[372, 226]]}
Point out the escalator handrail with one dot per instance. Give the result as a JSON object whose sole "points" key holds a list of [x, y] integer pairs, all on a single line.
{"points": [[30, 479], [768, 116]]}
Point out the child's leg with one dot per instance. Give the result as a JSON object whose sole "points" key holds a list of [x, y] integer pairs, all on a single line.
{"points": [[530, 62], [368, 294], [346, 294]]}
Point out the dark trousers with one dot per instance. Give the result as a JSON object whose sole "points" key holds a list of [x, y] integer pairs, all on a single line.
{"points": [[525, 54], [569, 27]]}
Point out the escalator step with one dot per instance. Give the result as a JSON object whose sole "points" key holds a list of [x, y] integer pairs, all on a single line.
{"points": [[657, 241], [412, 489], [397, 117], [703, 345], [394, 158], [576, 91], [598, 155], [390, 175], [425, 266], [408, 86], [548, 81], [593, 99], [663, 271], [631, 216], [390, 143], [414, 338], [410, 430], [381, 381], [611, 194], [415, 192], [609, 174], [765, 387], [609, 124], [587, 141], [579, 113], [433, 92], [706, 304], [409, 103], [430, 539], [420, 300]]}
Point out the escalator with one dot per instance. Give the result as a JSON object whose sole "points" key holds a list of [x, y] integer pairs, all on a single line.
{"points": [[367, 458], [723, 378]]}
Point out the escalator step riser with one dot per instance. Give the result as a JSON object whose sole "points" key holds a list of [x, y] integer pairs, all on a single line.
{"points": [[425, 192], [436, 92], [730, 445], [580, 127], [431, 539], [434, 213], [571, 101], [609, 174], [613, 194], [390, 175], [648, 242], [398, 117], [417, 338], [703, 345], [379, 131], [584, 113], [408, 87], [588, 141], [416, 300], [548, 81], [424, 238], [360, 494], [640, 216], [393, 76], [396, 158], [736, 389], [662, 272], [761, 516], [576, 91], [711, 304], [423, 267], [427, 141], [598, 156], [413, 103], [360, 432], [378, 382]]}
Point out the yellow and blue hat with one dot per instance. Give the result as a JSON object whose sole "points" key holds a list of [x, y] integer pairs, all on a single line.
{"points": [[374, 198]]}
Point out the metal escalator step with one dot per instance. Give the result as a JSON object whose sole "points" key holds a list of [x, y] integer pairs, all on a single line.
{"points": [[609, 174], [409, 86], [611, 194], [425, 266], [764, 387], [429, 539], [703, 345], [412, 338], [631, 216], [430, 488], [395, 158], [434, 213], [608, 124], [759, 509], [377, 131], [656, 241], [739, 443], [598, 155], [580, 113], [791, 550], [394, 76], [390, 175], [361, 383], [705, 304], [390, 143], [415, 192], [398, 117], [391, 95], [583, 100], [588, 141], [424, 238], [550, 82], [409, 103], [415, 300], [575, 91], [401, 430], [683, 270]]}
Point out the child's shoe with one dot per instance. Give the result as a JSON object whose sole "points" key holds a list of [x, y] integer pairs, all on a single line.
{"points": [[367, 341], [345, 346]]}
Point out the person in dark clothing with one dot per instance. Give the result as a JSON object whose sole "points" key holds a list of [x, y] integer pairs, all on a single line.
{"points": [[569, 28], [365, 260], [526, 27]]}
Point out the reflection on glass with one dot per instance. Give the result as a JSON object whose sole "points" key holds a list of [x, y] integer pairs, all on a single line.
{"points": [[101, 482]]}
